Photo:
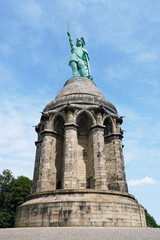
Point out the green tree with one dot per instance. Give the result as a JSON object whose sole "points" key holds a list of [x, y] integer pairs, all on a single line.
{"points": [[5, 193], [150, 220], [5, 178], [12, 194], [20, 188]]}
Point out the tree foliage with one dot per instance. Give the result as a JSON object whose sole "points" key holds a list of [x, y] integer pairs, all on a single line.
{"points": [[150, 220], [12, 194]]}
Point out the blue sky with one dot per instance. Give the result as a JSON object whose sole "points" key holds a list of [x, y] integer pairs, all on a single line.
{"points": [[122, 38]]}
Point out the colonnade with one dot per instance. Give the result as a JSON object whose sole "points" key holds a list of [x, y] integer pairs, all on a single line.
{"points": [[75, 153]]}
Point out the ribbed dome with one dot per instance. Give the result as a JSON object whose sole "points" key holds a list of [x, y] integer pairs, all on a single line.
{"points": [[82, 91]]}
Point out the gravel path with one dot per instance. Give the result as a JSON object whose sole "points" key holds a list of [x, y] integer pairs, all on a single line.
{"points": [[80, 233]]}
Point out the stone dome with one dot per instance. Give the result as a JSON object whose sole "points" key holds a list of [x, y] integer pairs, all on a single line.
{"points": [[80, 91]]}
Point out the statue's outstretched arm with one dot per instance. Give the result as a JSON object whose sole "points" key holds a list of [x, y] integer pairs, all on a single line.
{"points": [[70, 39]]}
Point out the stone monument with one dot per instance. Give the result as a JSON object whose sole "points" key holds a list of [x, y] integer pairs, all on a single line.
{"points": [[79, 176]]}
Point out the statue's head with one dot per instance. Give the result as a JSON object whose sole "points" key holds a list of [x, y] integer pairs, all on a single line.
{"points": [[80, 42]]}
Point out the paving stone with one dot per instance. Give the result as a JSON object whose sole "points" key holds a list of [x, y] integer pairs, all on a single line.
{"points": [[80, 233]]}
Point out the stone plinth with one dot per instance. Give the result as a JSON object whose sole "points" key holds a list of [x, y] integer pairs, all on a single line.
{"points": [[80, 208]]}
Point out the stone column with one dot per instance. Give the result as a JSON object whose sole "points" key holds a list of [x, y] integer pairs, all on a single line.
{"points": [[115, 163], [47, 170], [100, 180], [70, 156], [36, 166]]}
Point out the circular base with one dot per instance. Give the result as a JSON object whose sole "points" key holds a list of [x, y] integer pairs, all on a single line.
{"points": [[80, 208]]}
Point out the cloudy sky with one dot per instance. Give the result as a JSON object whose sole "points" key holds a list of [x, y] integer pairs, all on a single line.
{"points": [[122, 38]]}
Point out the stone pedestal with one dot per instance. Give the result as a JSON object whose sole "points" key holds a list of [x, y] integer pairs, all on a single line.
{"points": [[79, 176], [80, 208]]}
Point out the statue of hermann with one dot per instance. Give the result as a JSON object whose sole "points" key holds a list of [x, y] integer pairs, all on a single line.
{"points": [[79, 60]]}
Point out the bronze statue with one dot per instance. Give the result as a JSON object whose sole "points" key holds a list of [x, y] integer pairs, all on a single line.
{"points": [[79, 60]]}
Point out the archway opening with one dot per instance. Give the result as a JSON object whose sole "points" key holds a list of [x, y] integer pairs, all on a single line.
{"points": [[85, 153], [108, 127], [59, 155]]}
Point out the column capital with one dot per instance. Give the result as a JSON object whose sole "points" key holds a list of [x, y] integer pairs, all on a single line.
{"points": [[38, 142], [70, 125], [113, 136], [98, 126], [48, 132]]}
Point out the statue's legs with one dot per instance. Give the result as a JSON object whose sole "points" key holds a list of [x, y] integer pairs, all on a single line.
{"points": [[82, 69], [73, 65]]}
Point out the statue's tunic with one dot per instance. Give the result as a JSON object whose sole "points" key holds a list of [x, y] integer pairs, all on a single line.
{"points": [[77, 54]]}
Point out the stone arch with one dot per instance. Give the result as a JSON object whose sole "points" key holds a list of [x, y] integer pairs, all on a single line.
{"points": [[88, 115], [59, 126], [58, 123], [108, 123], [59, 114], [84, 122]]}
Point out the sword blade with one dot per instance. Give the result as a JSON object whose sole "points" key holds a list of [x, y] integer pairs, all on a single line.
{"points": [[68, 24]]}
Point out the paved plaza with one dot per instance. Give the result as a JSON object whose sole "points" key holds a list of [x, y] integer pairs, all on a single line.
{"points": [[80, 233]]}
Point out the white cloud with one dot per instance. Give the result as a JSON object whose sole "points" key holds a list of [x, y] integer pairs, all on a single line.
{"points": [[117, 23], [145, 56], [18, 113], [116, 72], [17, 135], [141, 146], [29, 12], [141, 182]]}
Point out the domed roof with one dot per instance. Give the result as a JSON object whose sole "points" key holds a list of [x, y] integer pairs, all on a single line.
{"points": [[81, 91]]}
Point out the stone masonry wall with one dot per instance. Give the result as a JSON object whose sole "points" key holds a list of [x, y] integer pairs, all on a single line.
{"points": [[77, 159], [115, 164], [90, 170], [47, 171], [81, 209], [59, 161], [82, 162]]}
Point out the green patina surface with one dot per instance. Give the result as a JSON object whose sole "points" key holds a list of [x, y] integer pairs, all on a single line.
{"points": [[79, 59]]}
